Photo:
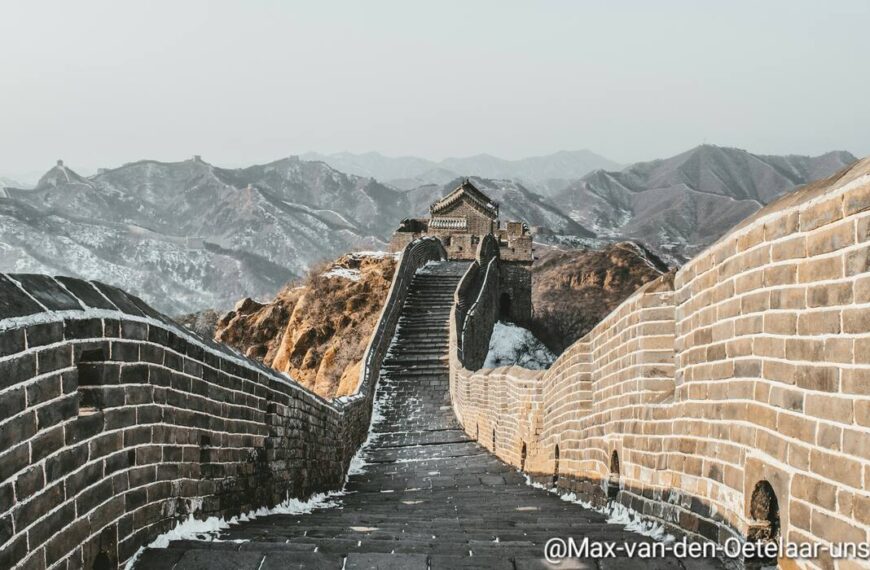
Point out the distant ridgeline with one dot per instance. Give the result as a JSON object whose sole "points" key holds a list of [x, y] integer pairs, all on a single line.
{"points": [[115, 422], [728, 399]]}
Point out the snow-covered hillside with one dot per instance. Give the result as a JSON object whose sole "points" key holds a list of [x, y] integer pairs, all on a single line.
{"points": [[512, 344]]}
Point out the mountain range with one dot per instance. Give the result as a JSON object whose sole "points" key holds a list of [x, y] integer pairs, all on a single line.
{"points": [[679, 205], [190, 235], [539, 173]]}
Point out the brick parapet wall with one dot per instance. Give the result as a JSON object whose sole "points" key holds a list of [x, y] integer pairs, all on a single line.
{"points": [[115, 422], [750, 364], [476, 304]]}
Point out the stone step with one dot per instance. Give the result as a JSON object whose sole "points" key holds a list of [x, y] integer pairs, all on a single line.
{"points": [[406, 360], [441, 327]]}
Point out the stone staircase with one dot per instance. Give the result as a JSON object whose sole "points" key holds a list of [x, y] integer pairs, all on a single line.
{"points": [[430, 497]]}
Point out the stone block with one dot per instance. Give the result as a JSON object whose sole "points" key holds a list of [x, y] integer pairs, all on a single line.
{"points": [[792, 248], [857, 261], [791, 298], [819, 323], [839, 350], [839, 468], [819, 378], [821, 213], [857, 201], [830, 294], [804, 349], [796, 426], [11, 342], [856, 381], [829, 407], [44, 333], [780, 323], [831, 239], [83, 328], [14, 302], [833, 529], [820, 269], [119, 299]]}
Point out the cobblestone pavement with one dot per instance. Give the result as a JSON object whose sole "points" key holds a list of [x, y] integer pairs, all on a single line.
{"points": [[430, 497]]}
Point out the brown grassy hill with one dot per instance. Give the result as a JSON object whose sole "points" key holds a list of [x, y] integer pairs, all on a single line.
{"points": [[573, 290], [315, 330]]}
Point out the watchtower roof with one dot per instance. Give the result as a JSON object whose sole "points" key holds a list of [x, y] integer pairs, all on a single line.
{"points": [[467, 191]]}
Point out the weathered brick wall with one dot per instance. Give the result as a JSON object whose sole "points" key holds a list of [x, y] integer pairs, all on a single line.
{"points": [[115, 422], [750, 365], [476, 303], [515, 283]]}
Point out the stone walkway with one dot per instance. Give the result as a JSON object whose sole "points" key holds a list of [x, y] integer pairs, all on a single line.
{"points": [[430, 497]]}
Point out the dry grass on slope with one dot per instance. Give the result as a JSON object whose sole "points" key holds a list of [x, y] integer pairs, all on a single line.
{"points": [[316, 330], [573, 290]]}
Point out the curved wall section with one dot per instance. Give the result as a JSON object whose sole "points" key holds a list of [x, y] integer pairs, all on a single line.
{"points": [[115, 422], [748, 369]]}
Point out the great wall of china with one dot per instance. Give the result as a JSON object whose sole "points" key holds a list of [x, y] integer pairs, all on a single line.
{"points": [[731, 398], [117, 422], [728, 399]]}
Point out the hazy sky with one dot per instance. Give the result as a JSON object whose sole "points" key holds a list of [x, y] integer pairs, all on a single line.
{"points": [[102, 83]]}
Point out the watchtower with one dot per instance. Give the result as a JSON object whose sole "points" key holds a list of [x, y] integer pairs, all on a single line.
{"points": [[460, 220]]}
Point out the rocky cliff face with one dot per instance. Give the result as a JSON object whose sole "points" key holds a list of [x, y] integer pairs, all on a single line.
{"points": [[573, 290], [316, 330]]}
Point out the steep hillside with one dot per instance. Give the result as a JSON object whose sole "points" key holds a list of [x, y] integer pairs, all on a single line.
{"points": [[189, 235], [316, 330], [167, 271], [681, 204], [572, 290]]}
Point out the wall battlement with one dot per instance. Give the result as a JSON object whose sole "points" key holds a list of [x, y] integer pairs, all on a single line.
{"points": [[115, 422], [744, 374]]}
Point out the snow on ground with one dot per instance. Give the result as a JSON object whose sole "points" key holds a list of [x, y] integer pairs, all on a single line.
{"points": [[511, 344], [344, 273], [375, 254], [208, 529], [617, 513]]}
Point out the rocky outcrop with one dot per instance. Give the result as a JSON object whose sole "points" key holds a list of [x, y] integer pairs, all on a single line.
{"points": [[573, 290], [315, 330]]}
